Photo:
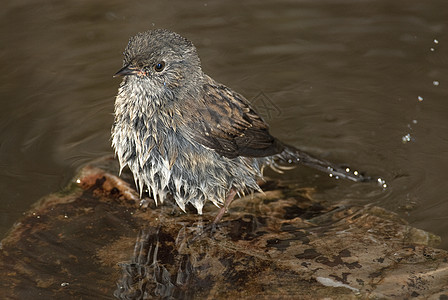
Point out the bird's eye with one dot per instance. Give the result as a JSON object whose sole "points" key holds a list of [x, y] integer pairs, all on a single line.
{"points": [[159, 66]]}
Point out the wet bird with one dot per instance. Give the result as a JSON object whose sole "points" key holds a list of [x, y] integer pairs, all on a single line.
{"points": [[182, 133]]}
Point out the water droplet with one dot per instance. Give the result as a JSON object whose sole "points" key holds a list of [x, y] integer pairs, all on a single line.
{"points": [[64, 284], [356, 173], [382, 182], [414, 121], [432, 49], [436, 41], [420, 98], [78, 180], [435, 82], [347, 170], [407, 138]]}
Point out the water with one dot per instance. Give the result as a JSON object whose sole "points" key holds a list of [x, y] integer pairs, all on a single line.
{"points": [[362, 83]]}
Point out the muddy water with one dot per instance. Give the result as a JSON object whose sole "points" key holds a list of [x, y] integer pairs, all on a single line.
{"points": [[359, 83]]}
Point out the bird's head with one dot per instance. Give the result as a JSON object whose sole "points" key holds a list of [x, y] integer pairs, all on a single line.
{"points": [[160, 65]]}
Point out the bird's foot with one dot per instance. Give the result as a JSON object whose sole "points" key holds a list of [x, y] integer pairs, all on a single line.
{"points": [[207, 231]]}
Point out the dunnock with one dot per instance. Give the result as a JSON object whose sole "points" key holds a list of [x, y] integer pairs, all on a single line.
{"points": [[181, 132]]}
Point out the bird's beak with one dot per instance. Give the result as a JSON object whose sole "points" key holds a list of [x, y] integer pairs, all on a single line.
{"points": [[127, 70]]}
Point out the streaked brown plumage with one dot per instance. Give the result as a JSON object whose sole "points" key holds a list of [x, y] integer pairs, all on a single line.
{"points": [[181, 132]]}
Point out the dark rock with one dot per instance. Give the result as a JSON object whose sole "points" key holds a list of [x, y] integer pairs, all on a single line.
{"points": [[92, 241]]}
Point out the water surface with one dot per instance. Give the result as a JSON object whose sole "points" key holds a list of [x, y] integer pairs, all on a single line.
{"points": [[362, 83]]}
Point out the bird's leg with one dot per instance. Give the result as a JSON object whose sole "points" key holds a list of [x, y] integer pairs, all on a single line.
{"points": [[223, 209], [211, 228]]}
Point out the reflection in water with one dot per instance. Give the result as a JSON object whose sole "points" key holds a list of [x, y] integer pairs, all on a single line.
{"points": [[183, 262], [147, 276]]}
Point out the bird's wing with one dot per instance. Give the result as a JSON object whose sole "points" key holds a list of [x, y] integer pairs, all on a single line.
{"points": [[224, 121]]}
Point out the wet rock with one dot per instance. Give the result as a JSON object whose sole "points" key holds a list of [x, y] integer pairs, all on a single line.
{"points": [[92, 241]]}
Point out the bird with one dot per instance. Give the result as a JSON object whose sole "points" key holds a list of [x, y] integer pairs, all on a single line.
{"points": [[182, 133]]}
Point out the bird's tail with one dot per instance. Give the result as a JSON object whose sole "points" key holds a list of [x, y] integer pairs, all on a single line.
{"points": [[291, 155]]}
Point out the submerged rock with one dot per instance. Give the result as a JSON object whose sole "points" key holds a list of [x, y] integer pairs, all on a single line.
{"points": [[92, 241]]}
